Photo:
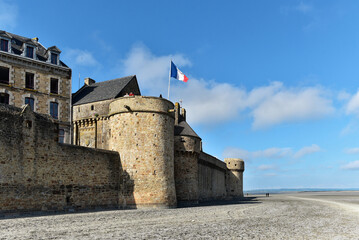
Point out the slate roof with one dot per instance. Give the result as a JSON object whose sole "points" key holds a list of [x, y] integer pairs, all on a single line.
{"points": [[103, 90], [184, 129], [17, 46]]}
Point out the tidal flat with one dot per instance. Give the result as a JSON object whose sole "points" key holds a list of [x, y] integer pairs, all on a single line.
{"points": [[303, 215]]}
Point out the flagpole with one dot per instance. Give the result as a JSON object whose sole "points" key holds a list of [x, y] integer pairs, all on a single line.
{"points": [[169, 80]]}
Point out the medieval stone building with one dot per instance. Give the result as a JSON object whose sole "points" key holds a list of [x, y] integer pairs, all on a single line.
{"points": [[129, 151], [159, 150], [34, 75]]}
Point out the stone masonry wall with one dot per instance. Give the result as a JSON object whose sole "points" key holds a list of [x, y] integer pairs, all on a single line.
{"points": [[187, 150], [211, 178], [142, 131], [37, 173]]}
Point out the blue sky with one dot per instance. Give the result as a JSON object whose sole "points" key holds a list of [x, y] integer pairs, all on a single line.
{"points": [[273, 82]]}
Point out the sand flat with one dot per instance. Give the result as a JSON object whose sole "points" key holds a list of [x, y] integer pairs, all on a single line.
{"points": [[326, 215]]}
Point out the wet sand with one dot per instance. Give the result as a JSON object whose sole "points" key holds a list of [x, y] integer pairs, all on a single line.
{"points": [[310, 215]]}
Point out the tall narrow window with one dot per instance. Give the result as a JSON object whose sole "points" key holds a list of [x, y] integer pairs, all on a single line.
{"points": [[54, 58], [4, 75], [29, 52], [4, 98], [29, 80], [54, 110], [4, 45], [54, 86], [61, 135], [31, 102]]}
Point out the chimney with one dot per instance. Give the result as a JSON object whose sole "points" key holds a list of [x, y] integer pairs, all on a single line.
{"points": [[183, 114], [89, 81], [177, 113]]}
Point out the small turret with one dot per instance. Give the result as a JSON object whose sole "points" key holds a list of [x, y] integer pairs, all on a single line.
{"points": [[234, 177]]}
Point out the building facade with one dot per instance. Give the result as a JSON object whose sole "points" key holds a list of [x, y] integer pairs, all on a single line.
{"points": [[34, 75]]}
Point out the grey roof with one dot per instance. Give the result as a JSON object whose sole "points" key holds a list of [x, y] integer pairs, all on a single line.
{"points": [[105, 90], [17, 46], [183, 129]]}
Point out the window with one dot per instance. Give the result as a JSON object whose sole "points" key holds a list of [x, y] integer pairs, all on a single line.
{"points": [[54, 86], [29, 80], [54, 110], [29, 52], [54, 58], [4, 98], [61, 135], [4, 75], [30, 101], [4, 45]]}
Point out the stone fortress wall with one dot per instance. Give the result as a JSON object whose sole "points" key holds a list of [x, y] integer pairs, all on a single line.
{"points": [[38, 173], [133, 159]]}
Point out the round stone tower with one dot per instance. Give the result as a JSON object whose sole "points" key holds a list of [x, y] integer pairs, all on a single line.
{"points": [[142, 132], [234, 177]]}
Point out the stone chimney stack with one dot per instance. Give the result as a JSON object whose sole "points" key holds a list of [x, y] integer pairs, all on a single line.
{"points": [[177, 113], [183, 114], [89, 81]]}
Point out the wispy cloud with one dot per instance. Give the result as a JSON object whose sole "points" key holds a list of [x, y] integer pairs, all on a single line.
{"points": [[271, 153], [267, 105], [80, 58], [303, 7], [351, 150], [351, 166], [352, 106], [266, 167], [306, 150], [8, 15]]}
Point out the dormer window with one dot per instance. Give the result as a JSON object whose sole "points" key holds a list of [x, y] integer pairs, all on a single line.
{"points": [[54, 57], [29, 52], [4, 45]]}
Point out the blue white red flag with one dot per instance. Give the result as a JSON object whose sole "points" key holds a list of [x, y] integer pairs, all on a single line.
{"points": [[176, 73]]}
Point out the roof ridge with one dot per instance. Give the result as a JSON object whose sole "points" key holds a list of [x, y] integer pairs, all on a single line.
{"points": [[114, 79]]}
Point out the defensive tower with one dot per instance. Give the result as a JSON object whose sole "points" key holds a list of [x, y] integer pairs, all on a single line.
{"points": [[234, 178], [142, 132], [187, 149]]}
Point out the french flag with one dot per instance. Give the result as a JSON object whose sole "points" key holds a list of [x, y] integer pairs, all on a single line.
{"points": [[176, 73]]}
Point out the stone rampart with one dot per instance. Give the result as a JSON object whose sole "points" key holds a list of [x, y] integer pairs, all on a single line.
{"points": [[37, 173], [211, 178]]}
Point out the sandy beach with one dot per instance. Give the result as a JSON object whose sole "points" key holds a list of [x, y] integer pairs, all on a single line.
{"points": [[309, 215]]}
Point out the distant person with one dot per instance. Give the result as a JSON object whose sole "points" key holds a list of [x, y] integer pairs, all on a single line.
{"points": [[131, 94], [126, 95]]}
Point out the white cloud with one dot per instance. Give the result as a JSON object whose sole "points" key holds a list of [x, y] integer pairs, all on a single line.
{"points": [[151, 71], [266, 167], [291, 105], [80, 58], [353, 105], [351, 150], [303, 7], [343, 96], [270, 153], [306, 150], [211, 102], [8, 15], [351, 166], [273, 153]]}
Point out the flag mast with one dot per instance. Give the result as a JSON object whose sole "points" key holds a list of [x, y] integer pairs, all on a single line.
{"points": [[169, 81]]}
